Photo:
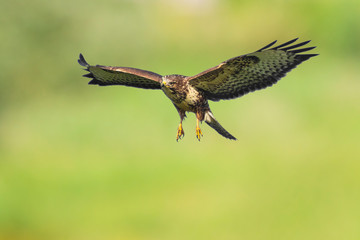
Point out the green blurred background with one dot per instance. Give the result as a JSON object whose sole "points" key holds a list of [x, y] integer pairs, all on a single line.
{"points": [[88, 162]]}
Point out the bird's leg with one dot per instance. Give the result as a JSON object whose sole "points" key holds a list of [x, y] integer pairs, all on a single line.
{"points": [[180, 131], [198, 130]]}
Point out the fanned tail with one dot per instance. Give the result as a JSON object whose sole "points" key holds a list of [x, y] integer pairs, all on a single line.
{"points": [[211, 121]]}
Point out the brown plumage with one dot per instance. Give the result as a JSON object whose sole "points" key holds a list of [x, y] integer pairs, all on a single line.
{"points": [[230, 79]]}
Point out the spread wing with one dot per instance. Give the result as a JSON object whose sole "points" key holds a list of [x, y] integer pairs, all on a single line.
{"points": [[133, 77], [240, 75]]}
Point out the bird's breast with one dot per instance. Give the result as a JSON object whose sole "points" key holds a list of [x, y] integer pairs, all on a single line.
{"points": [[186, 97], [192, 101]]}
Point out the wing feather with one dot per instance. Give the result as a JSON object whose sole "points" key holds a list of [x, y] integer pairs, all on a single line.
{"points": [[269, 45], [283, 45], [133, 77], [241, 75]]}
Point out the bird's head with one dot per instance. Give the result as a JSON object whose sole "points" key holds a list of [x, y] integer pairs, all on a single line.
{"points": [[168, 83], [173, 86]]}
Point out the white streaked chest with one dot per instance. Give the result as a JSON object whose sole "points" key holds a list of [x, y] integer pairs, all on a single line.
{"points": [[191, 100]]}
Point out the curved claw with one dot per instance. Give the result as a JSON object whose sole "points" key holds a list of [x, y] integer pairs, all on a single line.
{"points": [[180, 132]]}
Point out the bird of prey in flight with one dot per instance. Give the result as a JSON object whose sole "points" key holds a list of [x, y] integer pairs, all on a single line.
{"points": [[230, 79]]}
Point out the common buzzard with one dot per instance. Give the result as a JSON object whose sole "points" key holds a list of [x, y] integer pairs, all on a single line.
{"points": [[230, 79]]}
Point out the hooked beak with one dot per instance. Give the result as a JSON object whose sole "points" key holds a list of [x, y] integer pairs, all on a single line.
{"points": [[163, 83]]}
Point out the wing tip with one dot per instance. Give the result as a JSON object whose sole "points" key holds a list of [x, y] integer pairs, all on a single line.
{"points": [[82, 61], [93, 80], [302, 50], [289, 47], [295, 49], [88, 75], [304, 57], [267, 46], [96, 82], [285, 44]]}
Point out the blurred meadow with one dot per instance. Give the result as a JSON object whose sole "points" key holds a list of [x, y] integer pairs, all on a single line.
{"points": [[89, 162]]}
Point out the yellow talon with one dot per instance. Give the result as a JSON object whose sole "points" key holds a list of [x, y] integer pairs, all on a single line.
{"points": [[180, 132], [198, 130], [198, 133]]}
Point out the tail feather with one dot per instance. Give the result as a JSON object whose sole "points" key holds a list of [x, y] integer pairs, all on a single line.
{"points": [[211, 121]]}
